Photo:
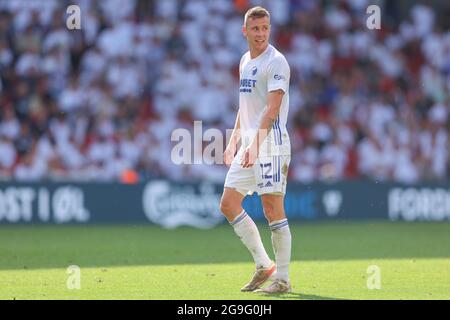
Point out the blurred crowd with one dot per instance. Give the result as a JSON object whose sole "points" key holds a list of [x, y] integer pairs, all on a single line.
{"points": [[101, 103]]}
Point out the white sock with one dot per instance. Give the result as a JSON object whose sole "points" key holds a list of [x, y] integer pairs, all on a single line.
{"points": [[246, 229], [281, 242]]}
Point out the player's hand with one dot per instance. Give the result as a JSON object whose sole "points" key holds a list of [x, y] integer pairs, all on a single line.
{"points": [[249, 157], [229, 154]]}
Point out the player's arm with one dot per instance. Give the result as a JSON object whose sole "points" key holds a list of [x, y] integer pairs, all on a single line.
{"points": [[269, 117], [231, 148]]}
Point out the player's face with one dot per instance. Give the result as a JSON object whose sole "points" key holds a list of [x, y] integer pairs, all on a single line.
{"points": [[257, 32]]}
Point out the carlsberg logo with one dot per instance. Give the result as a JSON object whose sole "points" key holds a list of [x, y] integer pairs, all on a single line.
{"points": [[419, 204], [171, 206]]}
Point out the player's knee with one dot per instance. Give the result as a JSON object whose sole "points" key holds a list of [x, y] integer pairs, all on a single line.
{"points": [[226, 207]]}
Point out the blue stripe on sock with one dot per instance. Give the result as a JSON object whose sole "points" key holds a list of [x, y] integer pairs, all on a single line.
{"points": [[277, 223], [279, 226], [239, 218]]}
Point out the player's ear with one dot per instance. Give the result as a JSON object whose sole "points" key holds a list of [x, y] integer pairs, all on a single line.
{"points": [[244, 31]]}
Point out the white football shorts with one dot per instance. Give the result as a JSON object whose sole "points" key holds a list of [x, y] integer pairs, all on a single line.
{"points": [[267, 176]]}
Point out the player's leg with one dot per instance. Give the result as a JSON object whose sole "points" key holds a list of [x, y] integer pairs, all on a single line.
{"points": [[272, 181], [281, 239], [273, 205], [247, 231], [238, 181], [244, 226]]}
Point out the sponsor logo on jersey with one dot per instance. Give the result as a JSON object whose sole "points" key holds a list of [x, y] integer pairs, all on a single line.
{"points": [[246, 85], [254, 70], [279, 77]]}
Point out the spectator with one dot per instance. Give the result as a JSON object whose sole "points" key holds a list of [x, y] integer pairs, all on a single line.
{"points": [[102, 102]]}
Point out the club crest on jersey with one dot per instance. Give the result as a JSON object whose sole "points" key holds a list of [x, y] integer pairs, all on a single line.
{"points": [[254, 70]]}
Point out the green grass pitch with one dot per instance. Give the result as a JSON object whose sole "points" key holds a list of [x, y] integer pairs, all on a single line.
{"points": [[329, 261]]}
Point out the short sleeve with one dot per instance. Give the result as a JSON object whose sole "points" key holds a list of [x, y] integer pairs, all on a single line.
{"points": [[240, 63], [278, 75]]}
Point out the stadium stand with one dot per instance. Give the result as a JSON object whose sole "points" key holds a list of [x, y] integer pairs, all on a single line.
{"points": [[100, 103]]}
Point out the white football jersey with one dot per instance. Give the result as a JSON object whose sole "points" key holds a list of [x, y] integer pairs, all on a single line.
{"points": [[267, 72]]}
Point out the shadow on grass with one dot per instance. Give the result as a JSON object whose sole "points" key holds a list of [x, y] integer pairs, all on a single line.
{"points": [[32, 247], [298, 296]]}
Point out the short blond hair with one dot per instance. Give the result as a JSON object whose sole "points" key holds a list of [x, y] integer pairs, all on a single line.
{"points": [[256, 12]]}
